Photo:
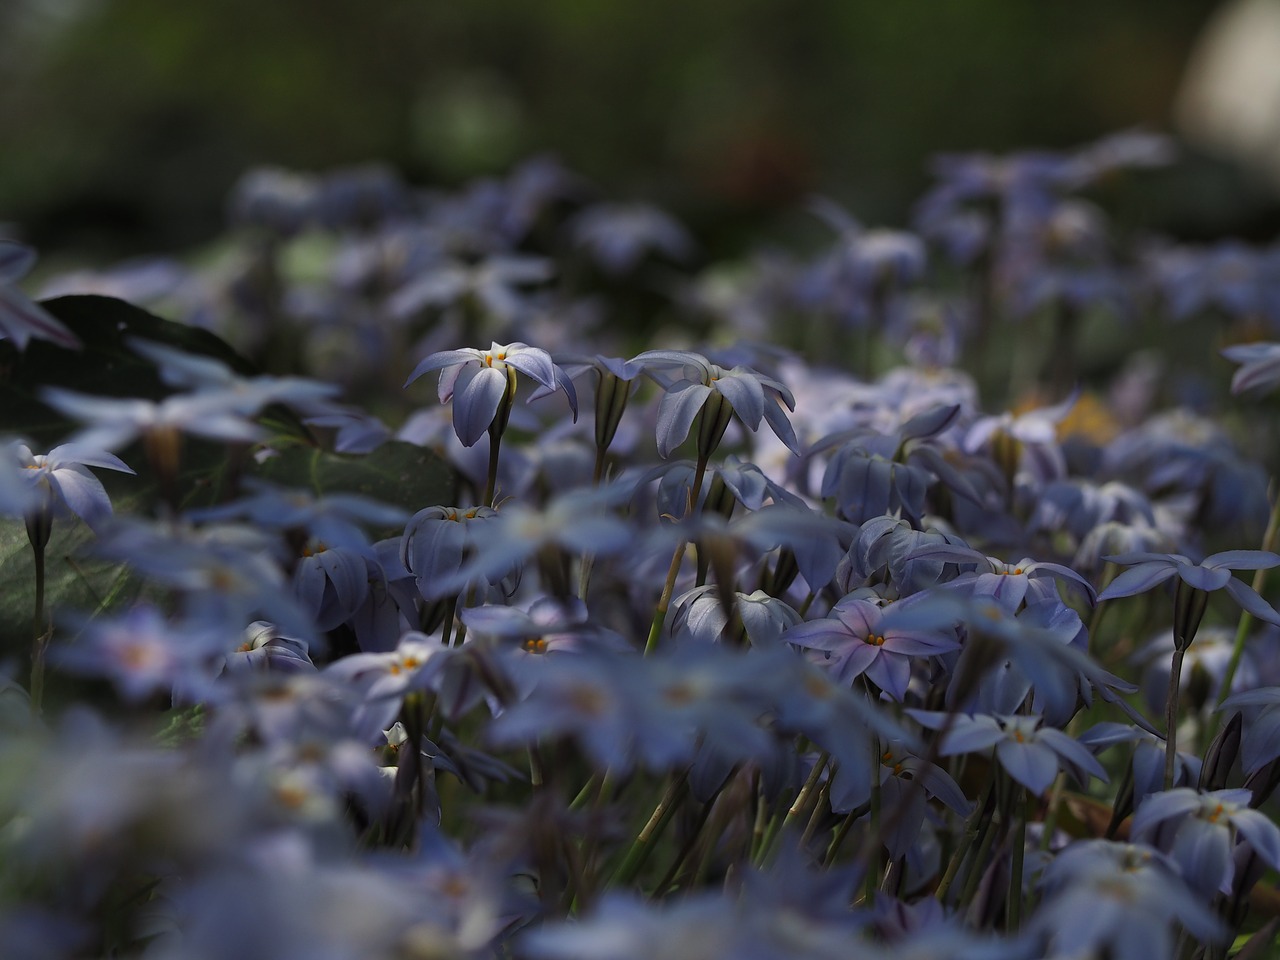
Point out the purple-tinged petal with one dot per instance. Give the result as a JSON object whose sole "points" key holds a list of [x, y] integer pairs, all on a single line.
{"points": [[891, 674], [16, 260], [1128, 559], [676, 413], [476, 406], [1067, 573], [445, 358], [1242, 560], [970, 734], [1203, 578], [20, 320], [1163, 806], [745, 395], [1031, 764], [72, 453], [1138, 579], [1262, 835], [83, 494], [532, 362], [1072, 751], [1203, 851], [1248, 599]]}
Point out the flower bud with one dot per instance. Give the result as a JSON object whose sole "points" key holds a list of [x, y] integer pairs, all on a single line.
{"points": [[1189, 604], [714, 420], [1221, 755], [611, 401]]}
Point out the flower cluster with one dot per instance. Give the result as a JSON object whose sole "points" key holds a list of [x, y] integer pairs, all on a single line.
{"points": [[773, 654]]}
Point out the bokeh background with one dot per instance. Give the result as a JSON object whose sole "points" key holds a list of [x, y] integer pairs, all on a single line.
{"points": [[126, 121]]}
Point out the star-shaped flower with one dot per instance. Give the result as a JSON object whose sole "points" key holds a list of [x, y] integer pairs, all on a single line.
{"points": [[478, 381]]}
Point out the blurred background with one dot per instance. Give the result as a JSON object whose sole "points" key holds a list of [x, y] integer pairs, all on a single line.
{"points": [[126, 121]]}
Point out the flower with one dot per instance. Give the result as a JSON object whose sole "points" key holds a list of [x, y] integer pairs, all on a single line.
{"points": [[480, 382], [751, 395], [143, 653], [112, 422], [617, 236], [1259, 366], [856, 643], [20, 319], [1199, 829], [1118, 899], [62, 481], [245, 395], [1030, 752], [493, 283], [1147, 570]]}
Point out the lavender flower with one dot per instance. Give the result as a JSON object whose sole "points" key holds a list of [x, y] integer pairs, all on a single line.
{"points": [[1198, 830], [1030, 752], [62, 482], [751, 395], [481, 382], [856, 643]]}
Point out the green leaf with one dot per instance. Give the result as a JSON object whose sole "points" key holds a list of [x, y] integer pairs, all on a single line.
{"points": [[104, 367], [398, 473], [74, 580]]}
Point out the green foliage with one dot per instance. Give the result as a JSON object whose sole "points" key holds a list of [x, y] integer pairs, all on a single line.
{"points": [[396, 473]]}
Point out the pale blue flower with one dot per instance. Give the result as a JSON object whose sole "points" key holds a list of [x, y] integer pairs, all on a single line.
{"points": [[752, 396], [62, 483], [1199, 830], [857, 641], [617, 236], [1147, 570], [1118, 899], [1030, 752], [480, 381]]}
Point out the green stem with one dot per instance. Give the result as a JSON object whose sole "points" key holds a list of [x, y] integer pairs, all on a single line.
{"points": [[1246, 618], [810, 785], [673, 571], [971, 828], [491, 478], [40, 634], [1171, 716], [643, 844], [1013, 912], [975, 868]]}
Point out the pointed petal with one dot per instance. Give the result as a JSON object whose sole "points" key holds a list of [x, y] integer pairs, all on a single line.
{"points": [[1248, 599], [1137, 579], [676, 414]]}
